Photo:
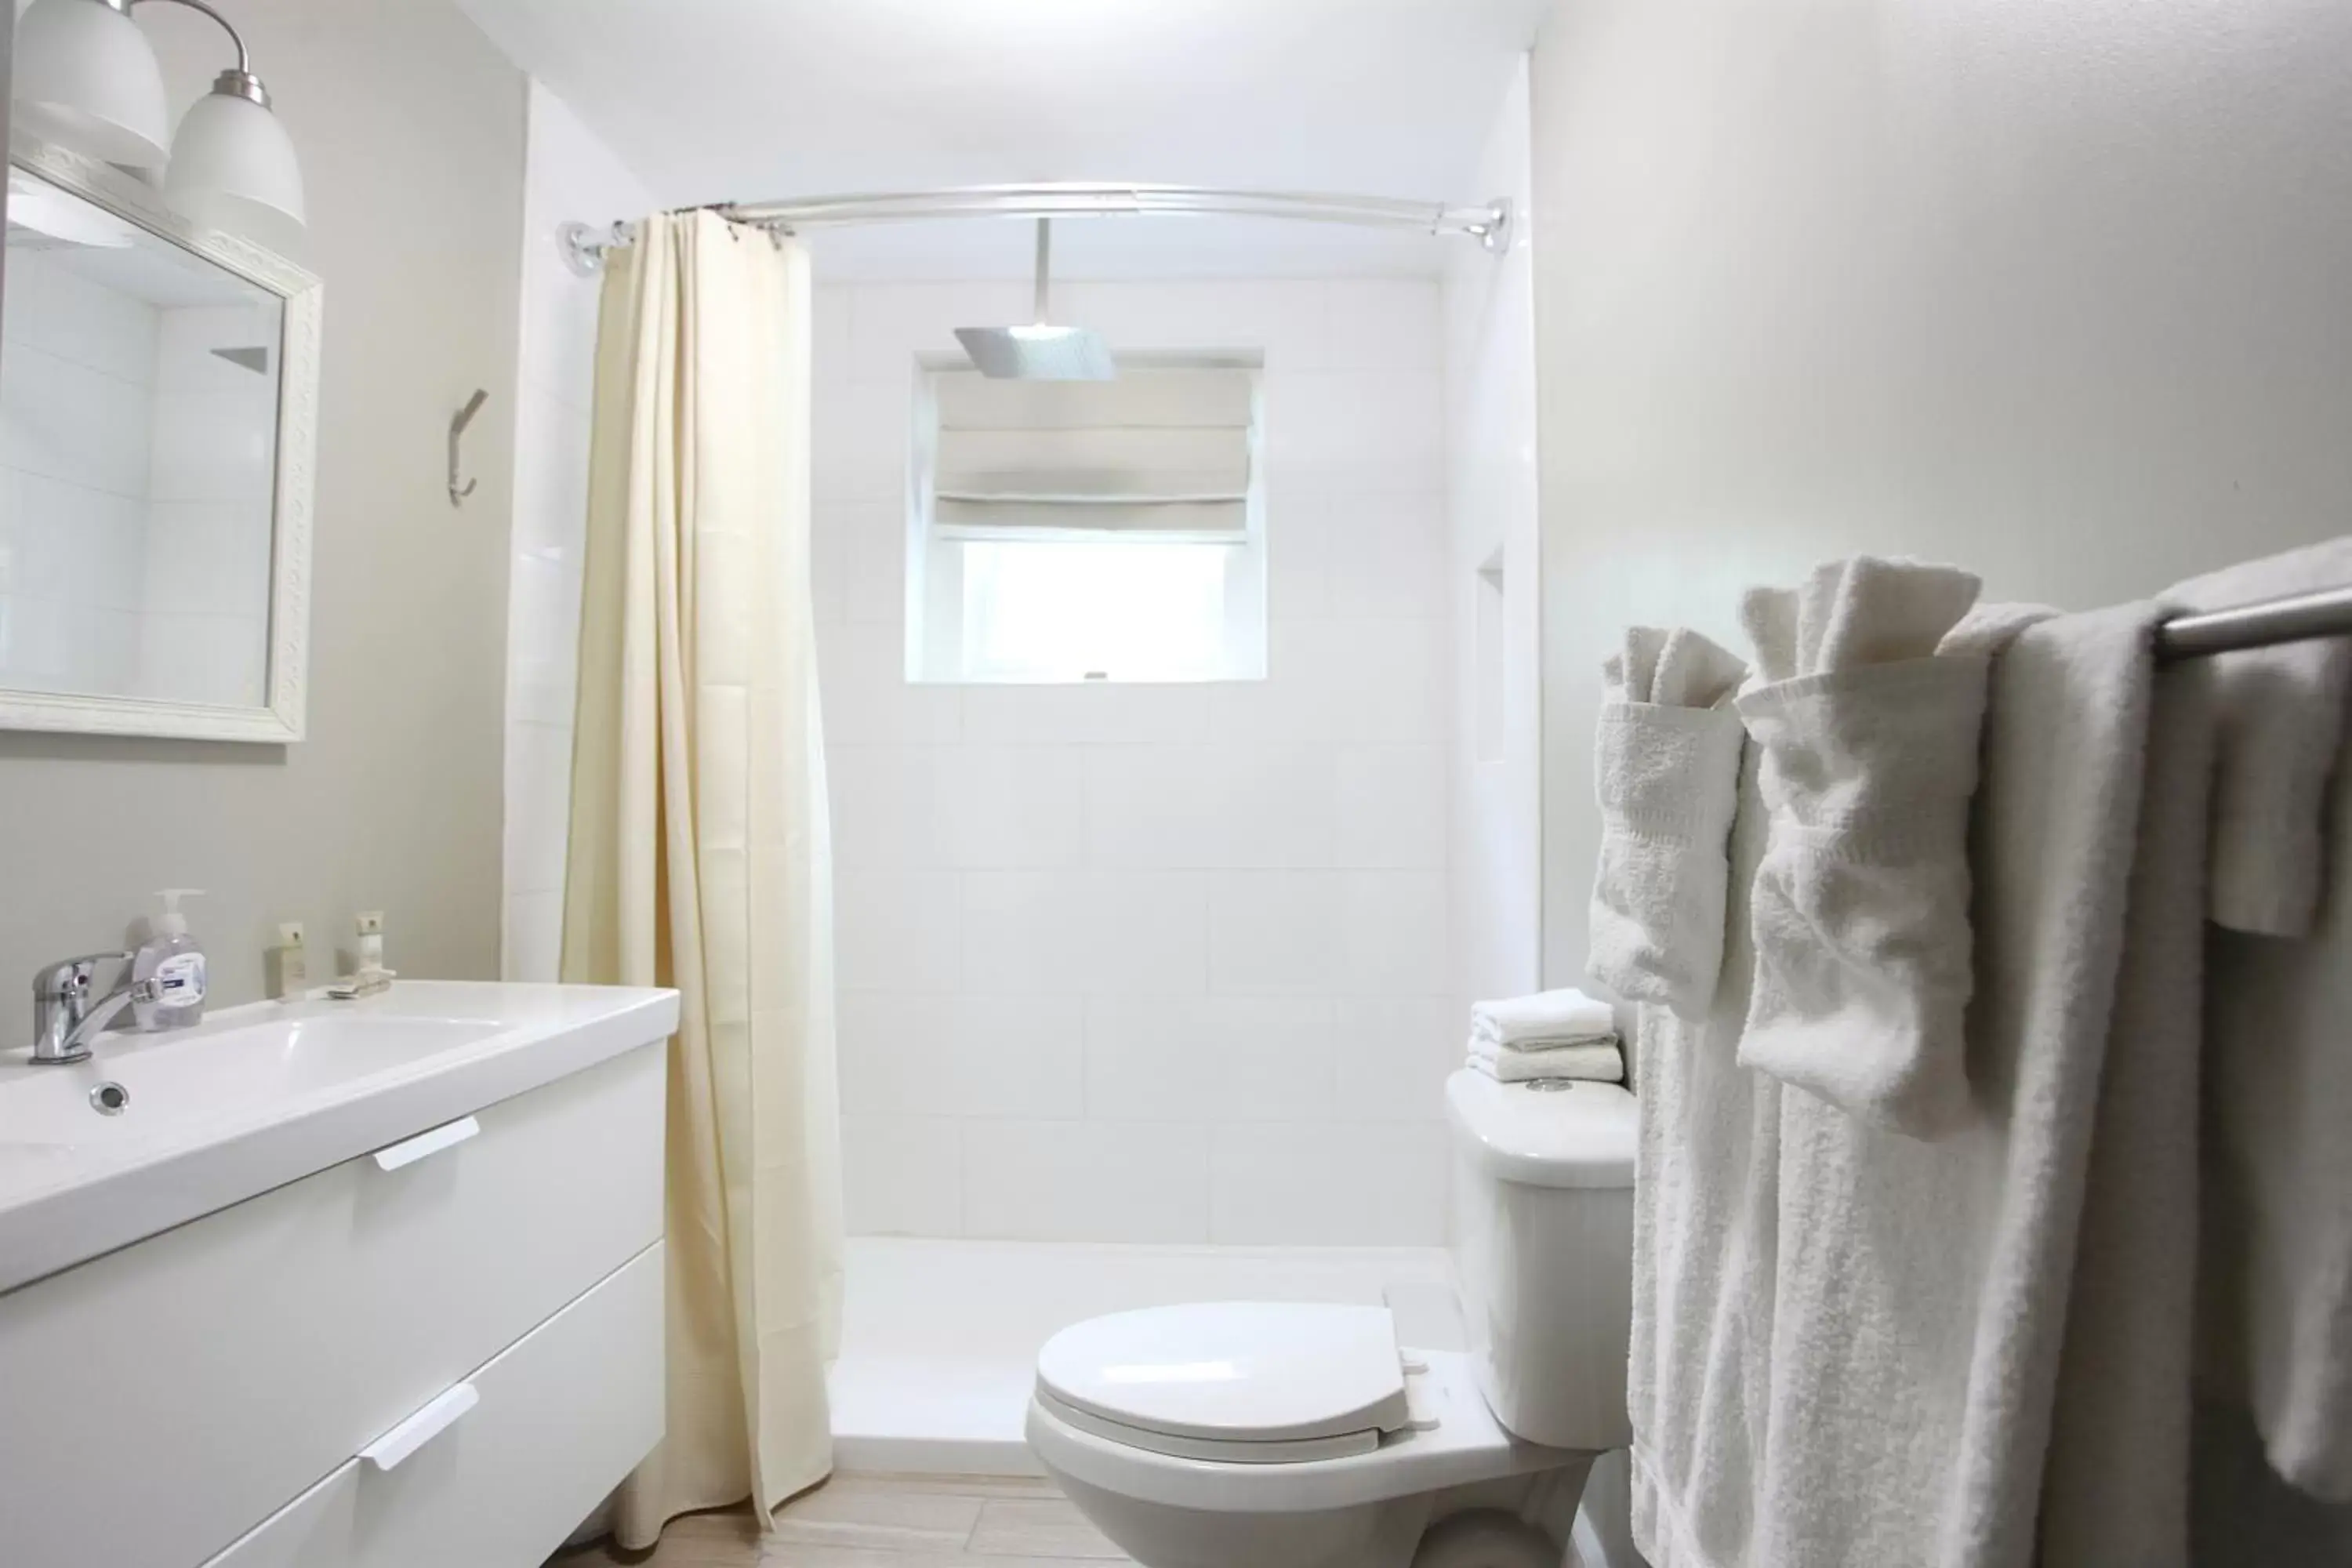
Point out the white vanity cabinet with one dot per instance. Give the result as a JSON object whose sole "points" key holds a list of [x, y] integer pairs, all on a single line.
{"points": [[441, 1353]]}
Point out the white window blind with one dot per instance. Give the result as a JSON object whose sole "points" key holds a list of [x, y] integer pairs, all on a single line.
{"points": [[1166, 453], [1067, 532]]}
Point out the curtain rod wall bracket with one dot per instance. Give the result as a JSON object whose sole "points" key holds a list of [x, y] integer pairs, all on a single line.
{"points": [[1502, 227], [583, 245]]}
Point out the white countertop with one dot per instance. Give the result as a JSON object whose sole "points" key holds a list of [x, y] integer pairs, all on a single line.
{"points": [[262, 1095]]}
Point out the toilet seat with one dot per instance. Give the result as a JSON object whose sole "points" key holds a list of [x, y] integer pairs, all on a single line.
{"points": [[1273, 1452], [1460, 1443], [1233, 1383]]}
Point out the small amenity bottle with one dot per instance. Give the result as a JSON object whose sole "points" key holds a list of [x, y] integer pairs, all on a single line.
{"points": [[290, 964]]}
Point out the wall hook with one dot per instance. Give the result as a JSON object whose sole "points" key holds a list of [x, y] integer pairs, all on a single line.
{"points": [[465, 416]]}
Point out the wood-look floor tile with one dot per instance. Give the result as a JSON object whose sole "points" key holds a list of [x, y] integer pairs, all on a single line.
{"points": [[960, 1485], [1039, 1527], [853, 1511], [882, 1522], [790, 1556]]}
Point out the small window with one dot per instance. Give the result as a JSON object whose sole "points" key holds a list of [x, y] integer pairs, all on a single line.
{"points": [[1106, 530]]}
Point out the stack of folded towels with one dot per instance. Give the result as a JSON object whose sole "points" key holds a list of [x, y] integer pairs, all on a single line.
{"points": [[1554, 1035]]}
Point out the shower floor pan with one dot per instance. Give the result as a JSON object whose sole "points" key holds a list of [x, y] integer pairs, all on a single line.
{"points": [[939, 1339]]}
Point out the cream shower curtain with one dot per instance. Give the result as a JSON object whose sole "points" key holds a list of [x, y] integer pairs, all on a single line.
{"points": [[698, 850]]}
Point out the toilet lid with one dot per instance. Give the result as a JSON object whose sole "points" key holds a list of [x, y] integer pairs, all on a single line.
{"points": [[1234, 1371]]}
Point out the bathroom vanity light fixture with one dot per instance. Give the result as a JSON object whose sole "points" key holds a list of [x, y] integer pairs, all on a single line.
{"points": [[85, 79]]}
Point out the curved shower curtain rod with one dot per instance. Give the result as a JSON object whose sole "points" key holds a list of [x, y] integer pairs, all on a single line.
{"points": [[584, 244]]}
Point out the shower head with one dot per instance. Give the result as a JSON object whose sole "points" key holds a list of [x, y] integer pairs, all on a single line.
{"points": [[1039, 351]]}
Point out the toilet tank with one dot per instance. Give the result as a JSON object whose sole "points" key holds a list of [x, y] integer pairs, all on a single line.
{"points": [[1543, 1239]]}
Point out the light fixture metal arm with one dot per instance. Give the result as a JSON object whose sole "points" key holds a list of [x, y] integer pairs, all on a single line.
{"points": [[238, 83], [243, 55]]}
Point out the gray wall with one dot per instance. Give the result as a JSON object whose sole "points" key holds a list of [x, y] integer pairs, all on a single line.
{"points": [[2061, 292], [410, 127]]}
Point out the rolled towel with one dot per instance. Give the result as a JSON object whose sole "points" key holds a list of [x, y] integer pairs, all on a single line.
{"points": [[1667, 774], [1563, 1017], [1594, 1061], [1869, 719]]}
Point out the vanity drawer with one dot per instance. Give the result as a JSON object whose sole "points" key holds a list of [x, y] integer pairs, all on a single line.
{"points": [[548, 1429], [216, 1371], [314, 1531], [555, 1424]]}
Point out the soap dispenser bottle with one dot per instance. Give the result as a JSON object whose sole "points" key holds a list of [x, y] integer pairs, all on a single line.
{"points": [[173, 960]]}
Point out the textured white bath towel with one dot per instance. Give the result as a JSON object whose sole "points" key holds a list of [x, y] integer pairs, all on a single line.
{"points": [[2277, 1252], [1596, 1061], [1707, 1175], [1667, 777], [1921, 1288], [1563, 1017], [1861, 905]]}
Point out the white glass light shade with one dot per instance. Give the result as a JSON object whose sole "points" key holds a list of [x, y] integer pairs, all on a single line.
{"points": [[87, 80], [233, 167]]}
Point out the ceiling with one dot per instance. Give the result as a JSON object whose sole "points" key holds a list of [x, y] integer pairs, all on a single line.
{"points": [[717, 99]]}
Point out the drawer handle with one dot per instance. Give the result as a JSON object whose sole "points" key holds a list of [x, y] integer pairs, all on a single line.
{"points": [[424, 1143], [387, 1451]]}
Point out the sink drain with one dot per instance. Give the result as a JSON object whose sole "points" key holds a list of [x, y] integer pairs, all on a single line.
{"points": [[110, 1099]]}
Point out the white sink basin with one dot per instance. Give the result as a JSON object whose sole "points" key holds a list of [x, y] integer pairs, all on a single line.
{"points": [[263, 1095], [175, 1082]]}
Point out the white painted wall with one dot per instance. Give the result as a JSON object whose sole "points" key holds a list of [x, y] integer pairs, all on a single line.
{"points": [[1154, 964], [2055, 291], [392, 803], [1492, 569], [568, 175]]}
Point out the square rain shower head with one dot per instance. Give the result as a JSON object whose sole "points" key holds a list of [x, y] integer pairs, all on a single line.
{"points": [[1039, 353]]}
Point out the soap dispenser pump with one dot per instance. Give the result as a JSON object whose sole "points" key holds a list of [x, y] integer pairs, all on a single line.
{"points": [[173, 961]]}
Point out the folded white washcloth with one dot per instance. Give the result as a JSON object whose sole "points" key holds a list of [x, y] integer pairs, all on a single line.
{"points": [[1672, 668], [1668, 776], [2280, 712], [1562, 1017], [1596, 1061], [1852, 613], [1860, 906]]}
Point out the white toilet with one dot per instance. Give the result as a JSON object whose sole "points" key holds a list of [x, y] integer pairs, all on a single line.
{"points": [[1262, 1436]]}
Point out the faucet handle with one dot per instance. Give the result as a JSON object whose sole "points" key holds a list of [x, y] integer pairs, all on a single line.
{"points": [[69, 978]]}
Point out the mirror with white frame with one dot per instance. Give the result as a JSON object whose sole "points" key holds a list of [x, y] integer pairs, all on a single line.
{"points": [[158, 387]]}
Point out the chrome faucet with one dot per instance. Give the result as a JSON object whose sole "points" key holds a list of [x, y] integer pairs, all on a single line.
{"points": [[65, 1020]]}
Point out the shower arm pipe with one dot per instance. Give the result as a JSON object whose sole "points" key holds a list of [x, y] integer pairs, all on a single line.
{"points": [[1044, 269], [1490, 224]]}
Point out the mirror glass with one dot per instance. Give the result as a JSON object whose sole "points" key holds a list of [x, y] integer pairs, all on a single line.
{"points": [[139, 396]]}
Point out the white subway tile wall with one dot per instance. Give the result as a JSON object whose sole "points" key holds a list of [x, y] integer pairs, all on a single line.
{"points": [[1494, 781], [75, 384], [568, 175], [138, 470], [1154, 963], [1137, 963]]}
